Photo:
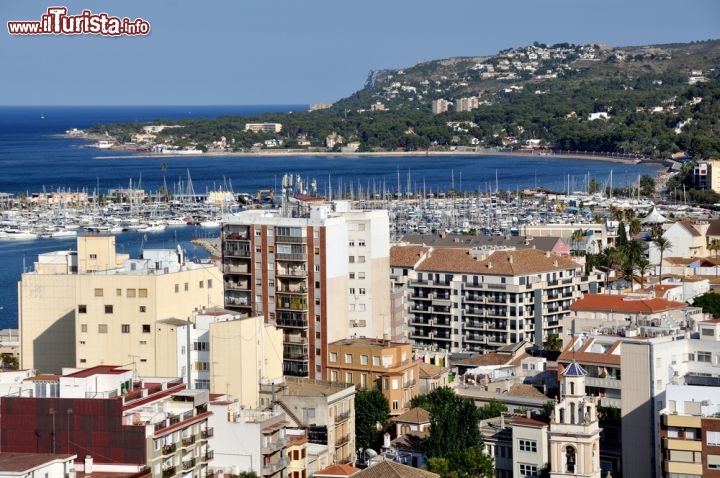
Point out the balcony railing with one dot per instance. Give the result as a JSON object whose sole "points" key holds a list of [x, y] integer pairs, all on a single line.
{"points": [[410, 383], [274, 467], [207, 433], [188, 441], [297, 256], [273, 446], [208, 455], [341, 440], [291, 239], [188, 464], [169, 449], [341, 417], [168, 472]]}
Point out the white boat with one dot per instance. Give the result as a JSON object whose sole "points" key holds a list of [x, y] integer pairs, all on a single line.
{"points": [[210, 223], [61, 233], [18, 235], [153, 227], [103, 144]]}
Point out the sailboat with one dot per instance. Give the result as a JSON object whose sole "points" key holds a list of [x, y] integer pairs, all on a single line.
{"points": [[42, 116]]}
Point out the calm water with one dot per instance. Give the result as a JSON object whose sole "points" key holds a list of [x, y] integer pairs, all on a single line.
{"points": [[33, 158]]}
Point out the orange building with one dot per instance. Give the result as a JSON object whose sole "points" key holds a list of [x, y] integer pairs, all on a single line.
{"points": [[374, 363]]}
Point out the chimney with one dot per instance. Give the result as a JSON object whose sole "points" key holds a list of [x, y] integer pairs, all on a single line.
{"points": [[489, 265], [510, 258], [528, 414], [88, 464], [547, 253]]}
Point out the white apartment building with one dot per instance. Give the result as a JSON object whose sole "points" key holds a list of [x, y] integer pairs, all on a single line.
{"points": [[462, 299]]}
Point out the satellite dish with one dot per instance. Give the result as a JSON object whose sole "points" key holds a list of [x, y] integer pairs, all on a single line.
{"points": [[369, 452]]}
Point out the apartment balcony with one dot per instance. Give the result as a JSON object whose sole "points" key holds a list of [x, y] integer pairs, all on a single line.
{"points": [[237, 236], [291, 239], [291, 302], [409, 383], [446, 336], [446, 323], [297, 320], [475, 325], [207, 433], [420, 334], [188, 441], [297, 353], [188, 464], [236, 268], [237, 285], [293, 290], [431, 283], [612, 383], [207, 456], [423, 321], [419, 308], [475, 311], [273, 446], [341, 417], [295, 368], [297, 272], [231, 250], [169, 449], [274, 467], [341, 440], [291, 257], [168, 472]]}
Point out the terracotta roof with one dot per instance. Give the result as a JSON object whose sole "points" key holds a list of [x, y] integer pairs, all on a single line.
{"points": [[415, 415], [428, 370], [486, 359], [680, 261], [710, 321], [570, 355], [411, 441], [391, 469], [501, 263], [44, 377], [690, 227], [406, 256], [525, 390], [620, 303], [713, 228], [528, 422], [337, 470]]}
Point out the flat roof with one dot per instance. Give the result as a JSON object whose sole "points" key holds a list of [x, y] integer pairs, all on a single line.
{"points": [[23, 462], [98, 370]]}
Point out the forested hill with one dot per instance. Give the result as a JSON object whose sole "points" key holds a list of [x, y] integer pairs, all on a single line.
{"points": [[649, 101]]}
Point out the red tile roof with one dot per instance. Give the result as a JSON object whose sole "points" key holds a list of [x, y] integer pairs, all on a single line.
{"points": [[98, 370], [337, 470], [406, 256], [501, 263], [621, 303]]}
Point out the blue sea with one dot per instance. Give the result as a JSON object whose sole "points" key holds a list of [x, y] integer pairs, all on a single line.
{"points": [[34, 157]]}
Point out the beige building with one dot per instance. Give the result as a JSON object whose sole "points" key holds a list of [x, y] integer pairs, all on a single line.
{"points": [[263, 127], [706, 175], [325, 410], [319, 272], [440, 106], [244, 352], [96, 306], [379, 364]]}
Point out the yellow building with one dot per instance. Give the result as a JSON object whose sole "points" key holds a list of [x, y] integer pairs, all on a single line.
{"points": [[95, 306], [374, 363], [244, 352]]}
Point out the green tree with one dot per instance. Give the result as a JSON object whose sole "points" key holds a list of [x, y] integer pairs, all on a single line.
{"points": [[472, 462], [494, 408], [647, 185], [453, 422], [246, 474], [709, 302], [575, 239], [371, 409], [9, 361], [622, 238], [642, 266], [553, 343]]}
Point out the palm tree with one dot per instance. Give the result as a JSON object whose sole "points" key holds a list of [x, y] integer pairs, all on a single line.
{"points": [[575, 238], [635, 226], [642, 266], [714, 246], [663, 244]]}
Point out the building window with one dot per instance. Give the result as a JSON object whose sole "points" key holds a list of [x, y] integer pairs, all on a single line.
{"points": [[351, 259], [351, 244], [82, 309], [125, 328], [361, 259], [395, 405], [102, 328], [143, 309], [704, 357], [98, 292], [528, 470], [528, 445], [93, 257], [361, 243], [348, 377], [352, 290], [361, 226], [108, 309], [142, 292], [334, 376], [118, 292], [363, 360], [83, 328], [187, 287], [352, 275], [146, 328], [376, 361], [361, 291], [333, 356], [201, 284], [130, 293], [209, 283], [713, 438], [177, 288], [361, 275], [348, 358]]}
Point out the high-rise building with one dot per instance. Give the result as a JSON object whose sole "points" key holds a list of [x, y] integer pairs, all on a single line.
{"points": [[440, 106], [319, 272], [95, 306]]}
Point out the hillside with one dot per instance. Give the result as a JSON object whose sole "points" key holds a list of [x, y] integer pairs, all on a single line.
{"points": [[648, 101]]}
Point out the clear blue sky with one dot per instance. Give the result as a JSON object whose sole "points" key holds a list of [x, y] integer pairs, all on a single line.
{"points": [[292, 51]]}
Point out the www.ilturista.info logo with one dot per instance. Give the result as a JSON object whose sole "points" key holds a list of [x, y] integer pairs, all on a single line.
{"points": [[57, 22]]}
